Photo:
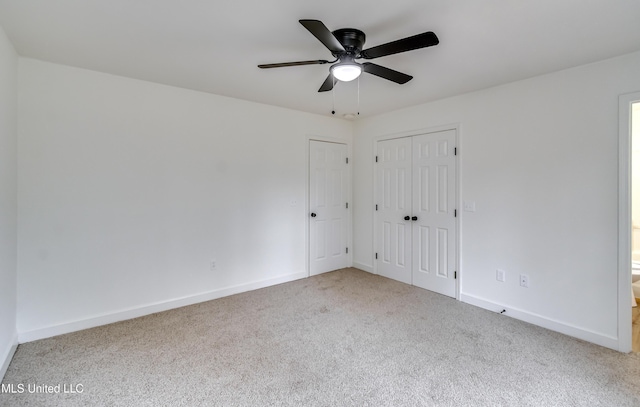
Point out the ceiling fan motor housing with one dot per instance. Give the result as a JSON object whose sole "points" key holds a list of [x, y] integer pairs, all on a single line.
{"points": [[352, 40]]}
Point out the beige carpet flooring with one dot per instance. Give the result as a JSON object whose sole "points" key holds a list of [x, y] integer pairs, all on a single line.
{"points": [[346, 338]]}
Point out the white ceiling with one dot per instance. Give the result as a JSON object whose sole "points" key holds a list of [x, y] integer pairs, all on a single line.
{"points": [[215, 45]]}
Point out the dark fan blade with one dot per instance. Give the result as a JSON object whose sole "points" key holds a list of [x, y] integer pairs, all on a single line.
{"points": [[328, 84], [386, 73], [321, 32], [315, 62], [427, 39]]}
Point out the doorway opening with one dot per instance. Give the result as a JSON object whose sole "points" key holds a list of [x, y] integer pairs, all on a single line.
{"points": [[626, 296], [635, 225]]}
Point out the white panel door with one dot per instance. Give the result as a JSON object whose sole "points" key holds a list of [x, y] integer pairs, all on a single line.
{"points": [[415, 219], [328, 220], [393, 191], [434, 227]]}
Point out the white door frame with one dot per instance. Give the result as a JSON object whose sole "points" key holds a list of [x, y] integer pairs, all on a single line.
{"points": [[624, 220], [307, 229], [412, 133]]}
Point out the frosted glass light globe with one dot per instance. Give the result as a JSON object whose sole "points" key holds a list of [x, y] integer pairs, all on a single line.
{"points": [[346, 72]]}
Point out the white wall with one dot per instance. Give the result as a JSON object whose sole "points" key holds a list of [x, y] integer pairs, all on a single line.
{"points": [[128, 190], [8, 199], [539, 158]]}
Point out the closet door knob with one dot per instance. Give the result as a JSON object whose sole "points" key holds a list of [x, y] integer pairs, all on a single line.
{"points": [[414, 218], [313, 215], [407, 218]]}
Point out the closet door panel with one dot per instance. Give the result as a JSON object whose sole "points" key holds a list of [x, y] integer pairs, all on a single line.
{"points": [[434, 231], [393, 190]]}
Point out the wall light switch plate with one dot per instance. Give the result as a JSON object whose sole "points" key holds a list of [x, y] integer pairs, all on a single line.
{"points": [[500, 275], [469, 206]]}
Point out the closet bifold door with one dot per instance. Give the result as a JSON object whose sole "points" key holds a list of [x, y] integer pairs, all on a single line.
{"points": [[433, 204], [415, 222], [393, 177]]}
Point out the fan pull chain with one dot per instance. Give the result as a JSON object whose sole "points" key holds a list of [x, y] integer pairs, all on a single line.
{"points": [[358, 96], [333, 95]]}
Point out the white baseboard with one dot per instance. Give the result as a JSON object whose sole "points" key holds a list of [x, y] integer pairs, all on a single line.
{"points": [[548, 323], [6, 360], [364, 267], [109, 318]]}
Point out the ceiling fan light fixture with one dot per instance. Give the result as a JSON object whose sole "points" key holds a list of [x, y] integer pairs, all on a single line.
{"points": [[346, 71], [347, 45]]}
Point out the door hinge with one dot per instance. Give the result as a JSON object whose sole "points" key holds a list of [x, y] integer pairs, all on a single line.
{"points": [[376, 256], [455, 150], [376, 158], [455, 275], [347, 160], [347, 250], [376, 207], [455, 213], [347, 204]]}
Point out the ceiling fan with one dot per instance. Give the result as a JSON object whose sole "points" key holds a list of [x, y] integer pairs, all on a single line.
{"points": [[346, 46]]}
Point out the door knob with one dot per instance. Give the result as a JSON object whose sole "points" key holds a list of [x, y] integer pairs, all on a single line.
{"points": [[414, 218], [407, 218], [313, 215]]}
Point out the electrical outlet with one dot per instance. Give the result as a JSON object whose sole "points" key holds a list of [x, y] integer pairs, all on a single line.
{"points": [[524, 280], [500, 275], [213, 264]]}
